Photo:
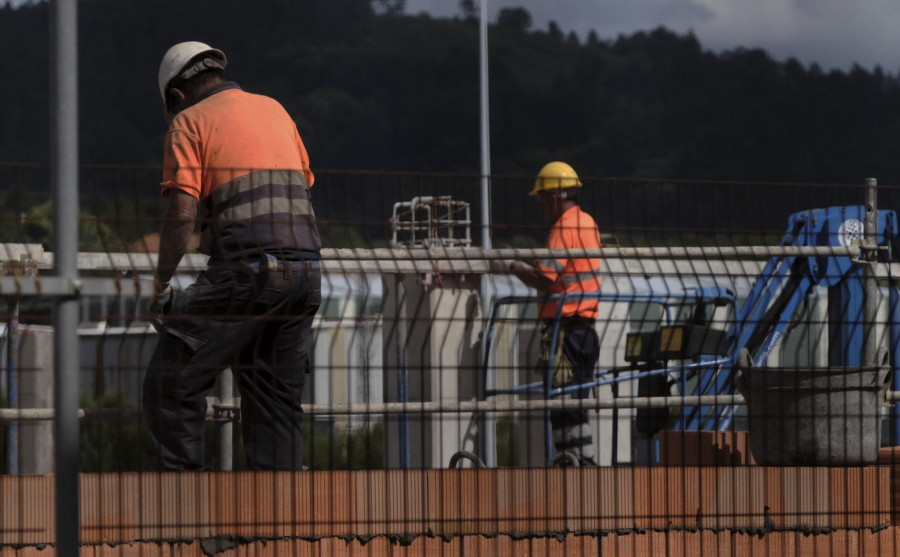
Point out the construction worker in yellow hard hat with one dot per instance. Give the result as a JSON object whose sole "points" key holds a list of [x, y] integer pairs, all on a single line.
{"points": [[577, 283], [555, 176]]}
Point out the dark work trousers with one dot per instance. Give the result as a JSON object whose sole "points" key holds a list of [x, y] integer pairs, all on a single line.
{"points": [[260, 325], [571, 429]]}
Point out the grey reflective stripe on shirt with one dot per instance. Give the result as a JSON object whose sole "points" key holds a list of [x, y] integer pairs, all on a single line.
{"points": [[269, 206], [255, 179], [593, 274], [266, 211], [552, 264], [584, 290]]}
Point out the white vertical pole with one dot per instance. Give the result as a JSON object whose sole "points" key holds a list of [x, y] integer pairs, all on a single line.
{"points": [[64, 182], [485, 133], [489, 421]]}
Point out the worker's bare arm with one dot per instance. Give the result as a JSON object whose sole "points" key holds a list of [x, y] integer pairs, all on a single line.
{"points": [[530, 275], [174, 236]]}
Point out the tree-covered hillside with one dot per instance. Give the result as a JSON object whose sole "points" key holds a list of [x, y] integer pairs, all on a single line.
{"points": [[374, 89]]}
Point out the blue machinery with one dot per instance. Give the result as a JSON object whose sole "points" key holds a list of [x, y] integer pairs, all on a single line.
{"points": [[759, 323]]}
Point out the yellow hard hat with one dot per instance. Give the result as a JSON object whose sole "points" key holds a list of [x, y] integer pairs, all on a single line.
{"points": [[555, 175]]}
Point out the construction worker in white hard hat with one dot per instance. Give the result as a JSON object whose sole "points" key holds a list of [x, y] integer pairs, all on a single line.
{"points": [[576, 283], [239, 157], [182, 62]]}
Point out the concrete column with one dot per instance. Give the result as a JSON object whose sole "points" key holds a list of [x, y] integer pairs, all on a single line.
{"points": [[36, 391], [432, 352]]}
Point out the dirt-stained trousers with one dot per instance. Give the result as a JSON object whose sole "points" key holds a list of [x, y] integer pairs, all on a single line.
{"points": [[571, 428], [258, 322]]}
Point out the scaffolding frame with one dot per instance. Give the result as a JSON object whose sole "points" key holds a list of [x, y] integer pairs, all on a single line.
{"points": [[431, 221]]}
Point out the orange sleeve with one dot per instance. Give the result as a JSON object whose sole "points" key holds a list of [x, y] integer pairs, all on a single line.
{"points": [[181, 164], [304, 159], [552, 269]]}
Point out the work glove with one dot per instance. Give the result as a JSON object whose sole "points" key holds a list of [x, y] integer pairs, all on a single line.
{"points": [[161, 303], [562, 367]]}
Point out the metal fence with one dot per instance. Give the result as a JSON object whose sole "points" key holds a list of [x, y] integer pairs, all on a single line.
{"points": [[426, 359], [428, 424]]}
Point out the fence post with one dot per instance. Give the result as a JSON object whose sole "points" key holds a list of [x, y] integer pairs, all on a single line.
{"points": [[225, 394], [870, 284], [64, 182], [12, 386]]}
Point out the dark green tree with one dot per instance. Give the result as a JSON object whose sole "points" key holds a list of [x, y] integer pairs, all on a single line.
{"points": [[514, 19], [469, 9]]}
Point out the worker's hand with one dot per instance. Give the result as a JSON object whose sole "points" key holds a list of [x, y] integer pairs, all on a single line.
{"points": [[499, 266], [161, 299], [519, 267]]}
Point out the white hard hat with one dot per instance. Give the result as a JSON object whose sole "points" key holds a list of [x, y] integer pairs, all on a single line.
{"points": [[176, 59]]}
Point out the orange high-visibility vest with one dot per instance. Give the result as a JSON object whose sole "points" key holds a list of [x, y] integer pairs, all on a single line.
{"points": [[574, 229]]}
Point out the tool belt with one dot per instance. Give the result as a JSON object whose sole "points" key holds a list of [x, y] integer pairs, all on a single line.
{"points": [[287, 266], [271, 263], [562, 367]]}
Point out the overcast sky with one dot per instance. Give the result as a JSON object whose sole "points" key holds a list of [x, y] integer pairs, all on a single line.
{"points": [[832, 33]]}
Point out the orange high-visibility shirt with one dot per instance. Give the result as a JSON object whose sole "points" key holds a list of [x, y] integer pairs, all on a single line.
{"points": [[241, 156], [226, 135], [574, 229]]}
